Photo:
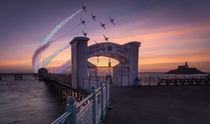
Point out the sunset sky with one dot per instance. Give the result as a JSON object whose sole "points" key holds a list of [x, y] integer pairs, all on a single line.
{"points": [[171, 31]]}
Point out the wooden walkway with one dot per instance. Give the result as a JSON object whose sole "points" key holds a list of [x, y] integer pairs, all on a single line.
{"points": [[159, 105]]}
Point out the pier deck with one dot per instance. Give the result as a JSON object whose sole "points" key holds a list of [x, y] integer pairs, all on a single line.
{"points": [[159, 105]]}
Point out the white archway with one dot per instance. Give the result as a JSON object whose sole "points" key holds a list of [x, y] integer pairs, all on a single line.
{"points": [[123, 74]]}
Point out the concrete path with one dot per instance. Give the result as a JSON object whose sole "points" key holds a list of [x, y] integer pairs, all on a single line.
{"points": [[159, 105]]}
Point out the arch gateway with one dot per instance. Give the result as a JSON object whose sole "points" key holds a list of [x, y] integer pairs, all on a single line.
{"points": [[124, 73]]}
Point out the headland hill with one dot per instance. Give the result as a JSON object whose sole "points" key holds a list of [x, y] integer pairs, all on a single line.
{"points": [[185, 69]]}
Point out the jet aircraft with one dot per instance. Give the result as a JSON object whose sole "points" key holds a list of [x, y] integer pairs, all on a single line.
{"points": [[84, 33], [103, 25], [84, 8], [111, 20], [106, 38], [93, 17], [83, 21]]}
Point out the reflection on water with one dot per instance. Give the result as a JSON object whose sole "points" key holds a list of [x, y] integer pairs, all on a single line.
{"points": [[27, 102]]}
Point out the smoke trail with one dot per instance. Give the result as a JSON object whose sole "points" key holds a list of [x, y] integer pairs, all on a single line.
{"points": [[61, 68], [59, 26], [35, 63], [41, 49], [62, 71], [48, 59]]}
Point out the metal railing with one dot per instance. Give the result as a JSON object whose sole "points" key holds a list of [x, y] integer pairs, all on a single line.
{"points": [[87, 84], [156, 80], [91, 110]]}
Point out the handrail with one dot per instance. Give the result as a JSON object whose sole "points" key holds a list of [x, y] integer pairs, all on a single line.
{"points": [[97, 113], [61, 82], [83, 101], [88, 97], [61, 118], [97, 90]]}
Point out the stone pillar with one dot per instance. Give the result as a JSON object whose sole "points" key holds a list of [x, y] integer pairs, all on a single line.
{"points": [[79, 53], [121, 74], [133, 50]]}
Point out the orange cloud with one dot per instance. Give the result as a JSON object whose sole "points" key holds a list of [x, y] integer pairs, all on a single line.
{"points": [[162, 45], [15, 62]]}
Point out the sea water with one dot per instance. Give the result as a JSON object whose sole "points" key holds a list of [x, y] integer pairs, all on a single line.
{"points": [[27, 101]]}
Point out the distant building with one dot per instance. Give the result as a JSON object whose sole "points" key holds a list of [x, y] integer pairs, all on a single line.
{"points": [[42, 71], [185, 69], [181, 67]]}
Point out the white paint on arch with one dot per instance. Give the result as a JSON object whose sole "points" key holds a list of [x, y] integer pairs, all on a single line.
{"points": [[123, 74]]}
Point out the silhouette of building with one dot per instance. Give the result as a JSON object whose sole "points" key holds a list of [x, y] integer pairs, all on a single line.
{"points": [[185, 69], [42, 71], [181, 67]]}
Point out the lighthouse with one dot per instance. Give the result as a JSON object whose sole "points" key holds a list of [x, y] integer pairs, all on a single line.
{"points": [[186, 65]]}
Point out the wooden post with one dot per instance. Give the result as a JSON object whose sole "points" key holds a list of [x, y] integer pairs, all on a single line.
{"points": [[71, 108]]}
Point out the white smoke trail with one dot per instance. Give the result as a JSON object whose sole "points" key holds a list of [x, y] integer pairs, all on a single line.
{"points": [[49, 37], [61, 68], [48, 59], [59, 26], [41, 49]]}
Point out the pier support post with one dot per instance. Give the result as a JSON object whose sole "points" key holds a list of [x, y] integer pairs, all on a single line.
{"points": [[71, 108], [133, 51]]}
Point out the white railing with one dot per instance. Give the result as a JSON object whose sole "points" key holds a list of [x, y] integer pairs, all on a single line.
{"points": [[91, 110]]}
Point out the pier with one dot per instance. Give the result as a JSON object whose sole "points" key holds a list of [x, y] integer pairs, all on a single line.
{"points": [[82, 62], [173, 80], [82, 106], [18, 77], [90, 100], [183, 81], [61, 84], [146, 104]]}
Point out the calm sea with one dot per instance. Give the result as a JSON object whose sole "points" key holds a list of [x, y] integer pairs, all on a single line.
{"points": [[28, 101]]}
